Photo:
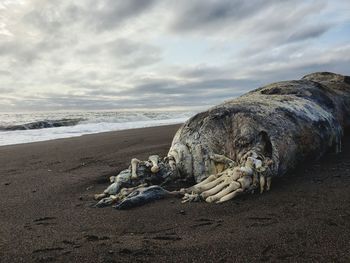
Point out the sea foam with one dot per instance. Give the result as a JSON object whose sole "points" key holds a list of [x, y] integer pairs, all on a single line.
{"points": [[89, 123]]}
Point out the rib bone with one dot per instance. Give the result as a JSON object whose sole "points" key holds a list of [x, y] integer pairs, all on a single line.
{"points": [[224, 186]]}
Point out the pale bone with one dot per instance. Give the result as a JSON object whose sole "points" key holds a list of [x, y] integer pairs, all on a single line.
{"points": [[229, 175], [134, 163], [230, 196], [246, 170], [228, 184], [154, 160], [209, 179], [249, 154], [191, 197], [209, 185], [245, 182], [262, 183], [232, 187], [215, 189], [100, 196], [268, 183], [255, 162]]}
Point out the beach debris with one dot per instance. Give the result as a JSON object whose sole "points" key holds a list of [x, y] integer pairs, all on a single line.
{"points": [[135, 196], [139, 173], [154, 159], [134, 163], [241, 145]]}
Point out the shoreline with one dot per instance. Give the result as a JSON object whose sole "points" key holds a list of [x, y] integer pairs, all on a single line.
{"points": [[93, 133], [46, 191]]}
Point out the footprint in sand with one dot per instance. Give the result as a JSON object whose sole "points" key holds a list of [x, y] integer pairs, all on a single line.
{"points": [[45, 221]]}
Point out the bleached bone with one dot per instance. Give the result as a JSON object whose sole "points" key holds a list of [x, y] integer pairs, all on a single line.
{"points": [[262, 183], [100, 196], [154, 160], [228, 184], [134, 163], [218, 196]]}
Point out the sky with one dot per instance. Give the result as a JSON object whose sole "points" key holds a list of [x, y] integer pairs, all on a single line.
{"points": [[161, 54]]}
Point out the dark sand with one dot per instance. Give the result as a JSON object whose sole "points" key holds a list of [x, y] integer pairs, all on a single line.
{"points": [[46, 191]]}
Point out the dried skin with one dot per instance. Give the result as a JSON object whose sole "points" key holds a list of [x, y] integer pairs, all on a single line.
{"points": [[240, 145]]}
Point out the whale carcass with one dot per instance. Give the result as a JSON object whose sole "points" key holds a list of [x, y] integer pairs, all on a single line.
{"points": [[241, 144]]}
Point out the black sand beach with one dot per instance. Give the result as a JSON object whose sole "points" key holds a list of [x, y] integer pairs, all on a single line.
{"points": [[46, 191]]}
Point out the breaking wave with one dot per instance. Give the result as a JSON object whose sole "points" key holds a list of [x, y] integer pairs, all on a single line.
{"points": [[42, 124], [16, 128]]}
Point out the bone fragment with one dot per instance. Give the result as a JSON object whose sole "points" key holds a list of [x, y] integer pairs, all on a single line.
{"points": [[245, 182], [154, 160], [99, 196], [191, 197], [268, 183], [262, 183], [134, 163], [246, 170], [209, 179]]}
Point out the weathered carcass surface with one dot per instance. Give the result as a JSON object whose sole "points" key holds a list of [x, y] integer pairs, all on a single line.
{"points": [[240, 145]]}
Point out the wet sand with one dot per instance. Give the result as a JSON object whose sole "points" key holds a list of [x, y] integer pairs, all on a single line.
{"points": [[46, 191]]}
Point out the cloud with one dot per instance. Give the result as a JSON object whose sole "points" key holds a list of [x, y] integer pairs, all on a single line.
{"points": [[6, 90], [308, 32], [170, 87], [123, 52], [110, 54], [211, 15], [109, 14]]}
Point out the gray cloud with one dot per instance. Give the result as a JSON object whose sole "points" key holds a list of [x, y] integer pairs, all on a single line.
{"points": [[124, 52], [204, 15], [4, 72], [308, 32], [102, 15], [108, 14], [6, 90], [229, 86], [111, 54], [24, 54]]}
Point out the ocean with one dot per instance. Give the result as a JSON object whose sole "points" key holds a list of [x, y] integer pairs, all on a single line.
{"points": [[16, 128]]}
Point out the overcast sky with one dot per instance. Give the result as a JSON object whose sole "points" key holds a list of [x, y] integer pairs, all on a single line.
{"points": [[159, 54]]}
